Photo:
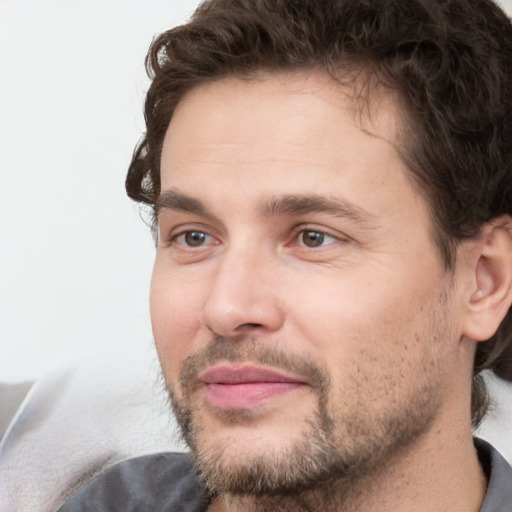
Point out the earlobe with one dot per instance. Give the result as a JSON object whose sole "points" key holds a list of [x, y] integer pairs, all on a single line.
{"points": [[491, 293]]}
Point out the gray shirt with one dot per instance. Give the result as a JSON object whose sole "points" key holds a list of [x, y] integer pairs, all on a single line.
{"points": [[499, 473], [167, 482]]}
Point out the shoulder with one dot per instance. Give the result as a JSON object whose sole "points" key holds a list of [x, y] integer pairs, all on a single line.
{"points": [[499, 473], [153, 482]]}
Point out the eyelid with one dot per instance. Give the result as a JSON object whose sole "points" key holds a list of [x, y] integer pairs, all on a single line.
{"points": [[339, 237], [180, 234], [328, 239], [167, 236]]}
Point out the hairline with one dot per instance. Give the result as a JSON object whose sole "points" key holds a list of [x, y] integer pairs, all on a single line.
{"points": [[362, 79]]}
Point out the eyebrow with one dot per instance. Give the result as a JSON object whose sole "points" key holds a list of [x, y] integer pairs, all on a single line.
{"points": [[304, 204], [174, 200], [290, 204]]}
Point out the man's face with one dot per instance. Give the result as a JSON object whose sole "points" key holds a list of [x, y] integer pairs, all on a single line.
{"points": [[302, 316]]}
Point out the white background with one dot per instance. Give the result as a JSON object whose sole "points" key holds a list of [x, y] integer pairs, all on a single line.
{"points": [[75, 258]]}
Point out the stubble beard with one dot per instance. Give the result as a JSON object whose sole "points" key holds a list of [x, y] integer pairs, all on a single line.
{"points": [[327, 465]]}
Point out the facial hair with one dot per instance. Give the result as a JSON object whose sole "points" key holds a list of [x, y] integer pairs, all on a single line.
{"points": [[333, 452]]}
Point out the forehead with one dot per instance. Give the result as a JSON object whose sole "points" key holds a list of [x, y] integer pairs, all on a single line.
{"points": [[235, 146], [271, 111]]}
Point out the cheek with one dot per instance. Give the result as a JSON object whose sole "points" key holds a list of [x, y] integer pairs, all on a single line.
{"points": [[365, 317], [175, 317]]}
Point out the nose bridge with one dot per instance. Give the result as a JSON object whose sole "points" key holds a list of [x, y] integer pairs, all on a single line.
{"points": [[242, 296], [237, 269]]}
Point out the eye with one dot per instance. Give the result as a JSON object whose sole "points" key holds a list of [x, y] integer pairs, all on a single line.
{"points": [[193, 238], [311, 238]]}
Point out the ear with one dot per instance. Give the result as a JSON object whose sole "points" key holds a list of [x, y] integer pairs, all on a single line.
{"points": [[490, 293]]}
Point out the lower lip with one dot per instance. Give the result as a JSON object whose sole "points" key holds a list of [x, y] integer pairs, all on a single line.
{"points": [[247, 395]]}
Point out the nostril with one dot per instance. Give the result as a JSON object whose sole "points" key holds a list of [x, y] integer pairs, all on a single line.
{"points": [[251, 325]]}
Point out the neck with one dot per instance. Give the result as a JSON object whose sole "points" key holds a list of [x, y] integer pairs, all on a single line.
{"points": [[439, 473]]}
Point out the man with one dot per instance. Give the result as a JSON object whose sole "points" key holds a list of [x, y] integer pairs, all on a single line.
{"points": [[331, 185]]}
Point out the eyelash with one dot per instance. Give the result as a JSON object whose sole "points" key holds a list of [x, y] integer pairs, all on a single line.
{"points": [[173, 239], [190, 232], [322, 236], [301, 230]]}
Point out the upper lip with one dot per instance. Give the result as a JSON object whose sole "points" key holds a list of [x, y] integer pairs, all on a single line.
{"points": [[227, 374]]}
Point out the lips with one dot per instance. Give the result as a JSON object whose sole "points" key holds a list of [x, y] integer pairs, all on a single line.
{"points": [[245, 387]]}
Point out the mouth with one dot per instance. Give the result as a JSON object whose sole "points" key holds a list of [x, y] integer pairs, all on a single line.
{"points": [[246, 386]]}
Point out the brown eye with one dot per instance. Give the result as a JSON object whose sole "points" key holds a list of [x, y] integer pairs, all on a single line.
{"points": [[312, 238], [194, 238]]}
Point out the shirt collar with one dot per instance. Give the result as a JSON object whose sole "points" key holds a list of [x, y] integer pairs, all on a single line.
{"points": [[499, 489]]}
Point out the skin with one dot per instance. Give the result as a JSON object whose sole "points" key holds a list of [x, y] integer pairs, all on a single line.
{"points": [[371, 306]]}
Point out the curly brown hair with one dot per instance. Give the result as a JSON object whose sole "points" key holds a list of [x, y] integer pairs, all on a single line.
{"points": [[449, 60]]}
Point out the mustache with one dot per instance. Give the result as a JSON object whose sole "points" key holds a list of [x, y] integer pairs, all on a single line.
{"points": [[253, 351]]}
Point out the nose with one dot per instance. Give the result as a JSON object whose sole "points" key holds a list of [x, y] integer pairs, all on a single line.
{"points": [[242, 298]]}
